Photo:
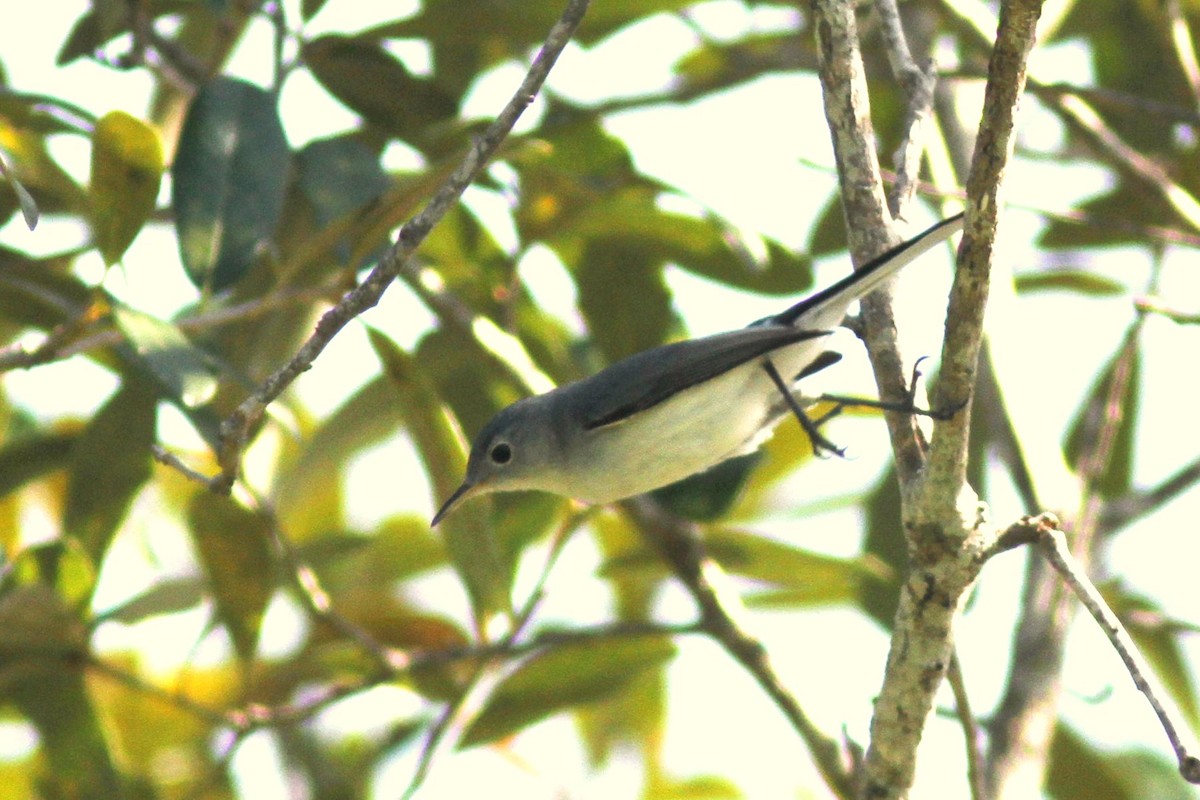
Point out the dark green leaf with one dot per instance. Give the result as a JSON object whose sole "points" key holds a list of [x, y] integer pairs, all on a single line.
{"points": [[623, 298], [39, 293], [339, 176], [884, 543], [473, 549], [47, 686], [475, 387], [715, 65], [31, 456], [507, 29], [168, 597], [708, 495], [108, 19], [234, 550], [704, 246], [1158, 642], [1080, 771], [808, 578], [127, 167], [110, 463], [563, 677], [398, 548], [60, 565], [168, 355], [368, 79], [470, 261], [230, 174], [310, 8], [1071, 280]]}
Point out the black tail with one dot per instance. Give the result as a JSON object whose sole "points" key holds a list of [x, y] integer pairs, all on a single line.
{"points": [[826, 308]]}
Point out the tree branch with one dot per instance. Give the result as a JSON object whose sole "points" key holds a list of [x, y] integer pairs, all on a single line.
{"points": [[237, 429], [721, 611]]}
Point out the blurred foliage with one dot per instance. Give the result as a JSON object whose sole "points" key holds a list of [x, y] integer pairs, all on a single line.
{"points": [[269, 231]]}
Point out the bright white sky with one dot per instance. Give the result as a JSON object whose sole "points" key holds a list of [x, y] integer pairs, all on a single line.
{"points": [[741, 154]]}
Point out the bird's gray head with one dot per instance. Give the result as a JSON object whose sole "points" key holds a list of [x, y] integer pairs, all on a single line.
{"points": [[514, 451]]}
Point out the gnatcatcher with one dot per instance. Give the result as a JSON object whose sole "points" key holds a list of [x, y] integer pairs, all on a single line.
{"points": [[661, 415]]}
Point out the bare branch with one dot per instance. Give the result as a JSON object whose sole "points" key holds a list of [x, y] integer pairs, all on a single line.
{"points": [[918, 82], [972, 735], [1053, 545], [868, 219], [721, 617]]}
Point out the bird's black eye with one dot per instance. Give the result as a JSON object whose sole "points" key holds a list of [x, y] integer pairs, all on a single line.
{"points": [[500, 453]]}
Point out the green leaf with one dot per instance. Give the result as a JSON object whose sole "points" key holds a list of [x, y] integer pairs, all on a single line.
{"points": [[39, 293], [808, 578], [1071, 280], [623, 297], [704, 246], [469, 539], [369, 80], [44, 682], [709, 495], [716, 65], [508, 28], [127, 167], [182, 368], [60, 565], [1116, 474], [110, 463], [701, 787], [308, 495], [310, 8], [475, 386], [1079, 770], [230, 176], [166, 597], [339, 176], [1158, 642], [233, 547], [31, 456], [884, 543], [563, 677]]}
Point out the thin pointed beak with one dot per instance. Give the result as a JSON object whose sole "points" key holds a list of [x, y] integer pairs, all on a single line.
{"points": [[460, 494]]}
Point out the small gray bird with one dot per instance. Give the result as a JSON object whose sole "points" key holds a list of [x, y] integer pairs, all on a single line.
{"points": [[661, 415]]}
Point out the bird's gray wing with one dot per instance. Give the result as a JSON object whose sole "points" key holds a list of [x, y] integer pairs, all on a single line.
{"points": [[648, 378]]}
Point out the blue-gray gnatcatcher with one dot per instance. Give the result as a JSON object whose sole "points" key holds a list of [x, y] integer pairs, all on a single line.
{"points": [[661, 415]]}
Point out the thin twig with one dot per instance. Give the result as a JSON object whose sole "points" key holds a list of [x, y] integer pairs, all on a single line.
{"points": [[972, 735], [72, 338], [1121, 511], [918, 82], [178, 700], [238, 427], [1184, 46], [1148, 173], [1053, 545], [721, 617], [458, 715], [317, 601]]}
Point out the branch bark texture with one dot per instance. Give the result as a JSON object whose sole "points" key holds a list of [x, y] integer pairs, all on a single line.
{"points": [[946, 535]]}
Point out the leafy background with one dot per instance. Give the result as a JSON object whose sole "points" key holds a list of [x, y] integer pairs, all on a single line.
{"points": [[203, 197]]}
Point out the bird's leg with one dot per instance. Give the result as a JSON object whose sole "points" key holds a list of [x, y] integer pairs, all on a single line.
{"points": [[905, 406], [819, 442]]}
